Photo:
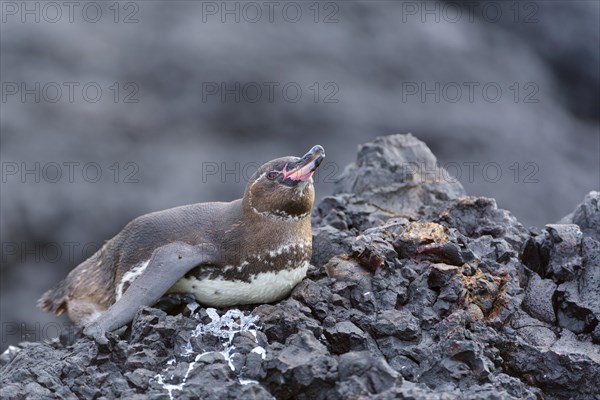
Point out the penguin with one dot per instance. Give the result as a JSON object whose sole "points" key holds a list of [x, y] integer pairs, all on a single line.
{"points": [[252, 250]]}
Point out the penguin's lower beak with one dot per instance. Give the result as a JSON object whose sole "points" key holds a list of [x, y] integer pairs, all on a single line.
{"points": [[304, 169]]}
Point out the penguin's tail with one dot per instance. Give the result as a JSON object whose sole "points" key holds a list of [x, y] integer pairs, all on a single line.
{"points": [[55, 299]]}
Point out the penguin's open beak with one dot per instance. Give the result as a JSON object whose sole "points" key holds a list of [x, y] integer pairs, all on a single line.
{"points": [[304, 169]]}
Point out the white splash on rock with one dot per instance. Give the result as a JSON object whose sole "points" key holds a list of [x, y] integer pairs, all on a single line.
{"points": [[169, 387], [12, 351], [259, 350], [248, 381], [224, 327]]}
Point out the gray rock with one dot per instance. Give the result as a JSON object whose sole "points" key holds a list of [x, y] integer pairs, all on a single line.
{"points": [[327, 243], [415, 292], [372, 375], [557, 374], [579, 300], [587, 215], [539, 297], [590, 277], [441, 274], [140, 378], [345, 336], [399, 323], [398, 173], [538, 335], [302, 369], [565, 254]]}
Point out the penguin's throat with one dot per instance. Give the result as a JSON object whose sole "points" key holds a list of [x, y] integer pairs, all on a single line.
{"points": [[281, 215], [278, 214]]}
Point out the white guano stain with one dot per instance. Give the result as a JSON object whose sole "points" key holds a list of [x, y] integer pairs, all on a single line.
{"points": [[224, 327]]}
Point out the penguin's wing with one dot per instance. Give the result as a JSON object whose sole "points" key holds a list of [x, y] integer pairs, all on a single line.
{"points": [[167, 265]]}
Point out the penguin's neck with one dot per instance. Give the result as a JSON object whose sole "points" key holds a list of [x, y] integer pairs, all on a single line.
{"points": [[265, 235], [253, 209]]}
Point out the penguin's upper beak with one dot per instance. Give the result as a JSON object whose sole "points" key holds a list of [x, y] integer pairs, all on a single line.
{"points": [[304, 169]]}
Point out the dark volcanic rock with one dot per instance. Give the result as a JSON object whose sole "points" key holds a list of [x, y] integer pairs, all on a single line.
{"points": [[398, 323], [362, 373], [587, 215], [399, 174], [571, 258], [416, 292], [538, 300], [345, 336], [565, 254], [302, 368]]}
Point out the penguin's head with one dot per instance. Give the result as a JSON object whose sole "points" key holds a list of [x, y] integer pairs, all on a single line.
{"points": [[283, 188]]}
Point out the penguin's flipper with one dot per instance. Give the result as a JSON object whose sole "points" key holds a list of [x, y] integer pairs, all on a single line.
{"points": [[167, 265]]}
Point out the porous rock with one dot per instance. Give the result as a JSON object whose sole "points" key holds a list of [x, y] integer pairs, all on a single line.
{"points": [[416, 292]]}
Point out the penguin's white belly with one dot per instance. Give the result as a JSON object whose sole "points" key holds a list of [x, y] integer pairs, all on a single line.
{"points": [[263, 287]]}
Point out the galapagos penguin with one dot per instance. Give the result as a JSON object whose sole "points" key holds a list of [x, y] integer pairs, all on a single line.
{"points": [[252, 250]]}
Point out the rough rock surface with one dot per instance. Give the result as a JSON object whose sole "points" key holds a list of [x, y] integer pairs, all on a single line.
{"points": [[416, 292]]}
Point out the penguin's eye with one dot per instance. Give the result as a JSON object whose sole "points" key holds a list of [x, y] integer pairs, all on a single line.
{"points": [[272, 175]]}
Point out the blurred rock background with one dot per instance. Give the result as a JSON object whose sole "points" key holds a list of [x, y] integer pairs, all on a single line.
{"points": [[132, 107]]}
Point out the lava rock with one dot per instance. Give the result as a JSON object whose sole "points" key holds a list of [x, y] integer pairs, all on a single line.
{"points": [[399, 323], [345, 336], [441, 274], [369, 375], [538, 300], [565, 256], [302, 369], [415, 292], [587, 215], [398, 173]]}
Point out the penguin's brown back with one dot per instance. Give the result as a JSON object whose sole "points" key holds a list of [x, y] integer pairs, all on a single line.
{"points": [[90, 287]]}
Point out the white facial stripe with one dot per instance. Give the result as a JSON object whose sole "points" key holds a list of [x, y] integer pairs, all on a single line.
{"points": [[258, 179], [250, 193], [276, 214]]}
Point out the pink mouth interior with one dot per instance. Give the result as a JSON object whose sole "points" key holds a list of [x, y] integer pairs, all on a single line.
{"points": [[299, 174]]}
